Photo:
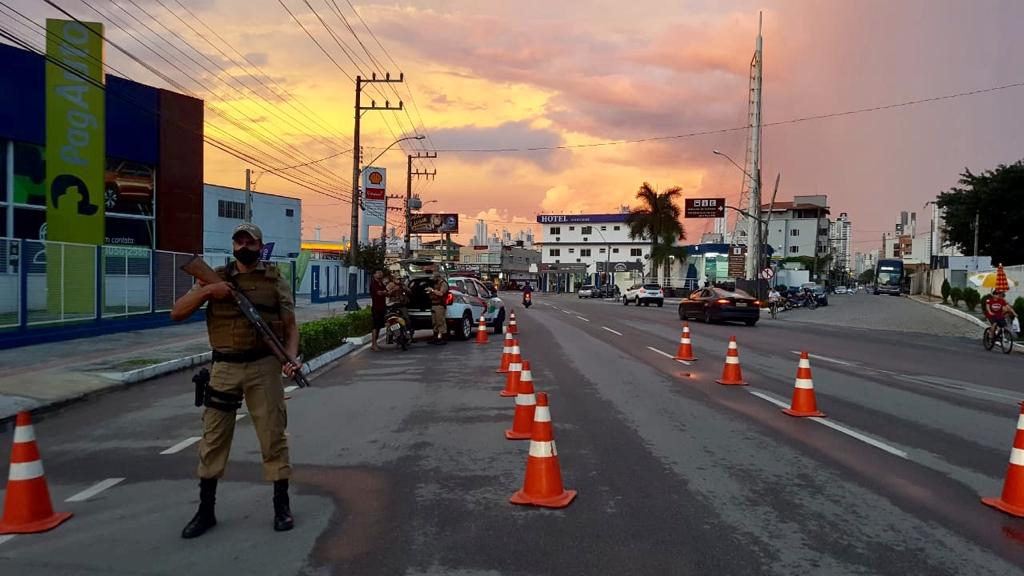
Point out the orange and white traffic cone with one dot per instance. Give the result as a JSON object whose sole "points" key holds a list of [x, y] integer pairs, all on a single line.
{"points": [[543, 483], [515, 368], [512, 327], [27, 505], [804, 403], [526, 402], [506, 354], [1012, 500], [685, 351], [481, 331], [731, 373]]}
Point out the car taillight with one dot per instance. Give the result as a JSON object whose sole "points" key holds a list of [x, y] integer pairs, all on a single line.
{"points": [[449, 299], [722, 301], [757, 302]]}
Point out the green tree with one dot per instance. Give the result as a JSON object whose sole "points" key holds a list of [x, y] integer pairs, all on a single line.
{"points": [[867, 276], [370, 256], [1018, 306], [995, 196], [956, 295], [657, 219], [971, 298], [945, 290], [663, 252]]}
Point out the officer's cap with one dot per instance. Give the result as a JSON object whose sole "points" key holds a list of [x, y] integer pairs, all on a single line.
{"points": [[250, 229]]}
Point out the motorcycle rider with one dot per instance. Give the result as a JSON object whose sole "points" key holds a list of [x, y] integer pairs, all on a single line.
{"points": [[527, 294]]}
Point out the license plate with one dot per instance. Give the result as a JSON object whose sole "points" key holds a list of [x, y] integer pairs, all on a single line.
{"points": [[741, 304]]}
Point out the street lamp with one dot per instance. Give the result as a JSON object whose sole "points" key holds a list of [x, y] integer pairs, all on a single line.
{"points": [[353, 250]]}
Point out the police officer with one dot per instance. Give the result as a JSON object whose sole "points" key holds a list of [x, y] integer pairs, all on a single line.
{"points": [[438, 292], [244, 368]]}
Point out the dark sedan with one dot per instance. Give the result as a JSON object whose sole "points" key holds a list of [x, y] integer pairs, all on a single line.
{"points": [[717, 305]]}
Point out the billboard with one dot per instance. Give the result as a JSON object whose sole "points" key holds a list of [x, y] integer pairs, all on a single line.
{"points": [[434, 224]]}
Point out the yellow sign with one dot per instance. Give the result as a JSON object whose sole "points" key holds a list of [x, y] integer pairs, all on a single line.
{"points": [[75, 132]]}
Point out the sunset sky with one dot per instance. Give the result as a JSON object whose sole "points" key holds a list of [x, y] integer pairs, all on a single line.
{"points": [[532, 73]]}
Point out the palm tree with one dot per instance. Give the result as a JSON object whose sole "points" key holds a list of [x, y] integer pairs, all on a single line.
{"points": [[657, 218], [663, 252]]}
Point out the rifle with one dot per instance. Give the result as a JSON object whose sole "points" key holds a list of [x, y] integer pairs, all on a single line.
{"points": [[199, 269]]}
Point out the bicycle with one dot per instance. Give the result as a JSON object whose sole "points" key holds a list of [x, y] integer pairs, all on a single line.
{"points": [[1003, 336], [773, 309]]}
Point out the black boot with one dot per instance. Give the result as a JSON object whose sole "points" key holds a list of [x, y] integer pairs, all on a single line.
{"points": [[283, 520], [204, 518]]}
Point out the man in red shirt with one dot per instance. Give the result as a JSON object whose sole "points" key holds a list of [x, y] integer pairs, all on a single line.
{"points": [[996, 309], [378, 305]]}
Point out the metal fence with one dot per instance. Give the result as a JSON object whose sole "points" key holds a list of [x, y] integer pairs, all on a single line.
{"points": [[47, 283]]}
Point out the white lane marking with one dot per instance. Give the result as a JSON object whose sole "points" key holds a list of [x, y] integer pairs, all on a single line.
{"points": [[582, 318], [291, 388], [556, 307], [827, 359], [952, 387], [6, 538], [667, 355], [182, 445], [837, 427], [239, 417], [94, 490], [567, 311], [612, 331]]}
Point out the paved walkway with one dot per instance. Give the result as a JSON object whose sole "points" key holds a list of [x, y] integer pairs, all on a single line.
{"points": [[48, 375], [886, 313]]}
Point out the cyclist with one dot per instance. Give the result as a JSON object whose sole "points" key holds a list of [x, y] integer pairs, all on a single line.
{"points": [[996, 310], [774, 300]]}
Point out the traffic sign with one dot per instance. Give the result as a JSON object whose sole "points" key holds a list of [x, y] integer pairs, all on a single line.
{"points": [[767, 274], [705, 208]]}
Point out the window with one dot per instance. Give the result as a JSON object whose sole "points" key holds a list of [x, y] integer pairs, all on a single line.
{"points": [[471, 288], [794, 232], [555, 252], [584, 238], [289, 212], [571, 228], [794, 249], [602, 250], [616, 228], [571, 250], [603, 228], [586, 230], [584, 251], [229, 209], [615, 250], [556, 230], [635, 252]]}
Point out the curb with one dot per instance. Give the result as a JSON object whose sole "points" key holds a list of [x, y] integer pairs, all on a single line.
{"points": [[125, 379], [954, 312]]}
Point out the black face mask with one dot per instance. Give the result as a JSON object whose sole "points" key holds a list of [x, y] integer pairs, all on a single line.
{"points": [[247, 257]]}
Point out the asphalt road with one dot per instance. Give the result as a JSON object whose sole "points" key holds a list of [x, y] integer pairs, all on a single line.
{"points": [[402, 466]]}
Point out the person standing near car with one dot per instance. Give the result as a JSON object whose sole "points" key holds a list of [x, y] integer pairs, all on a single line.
{"points": [[244, 368], [378, 306], [438, 292]]}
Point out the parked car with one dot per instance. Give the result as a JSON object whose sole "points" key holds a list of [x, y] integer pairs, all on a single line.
{"points": [[610, 291], [587, 291], [645, 294], [467, 300], [841, 290], [718, 305], [819, 292]]}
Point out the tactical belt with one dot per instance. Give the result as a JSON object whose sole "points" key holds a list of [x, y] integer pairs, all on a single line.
{"points": [[240, 357], [223, 401]]}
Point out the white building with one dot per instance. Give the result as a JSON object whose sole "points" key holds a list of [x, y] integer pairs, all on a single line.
{"points": [[577, 248], [839, 240], [480, 238], [279, 217], [797, 227]]}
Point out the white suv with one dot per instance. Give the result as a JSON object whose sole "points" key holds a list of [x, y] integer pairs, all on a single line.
{"points": [[645, 294], [468, 299]]}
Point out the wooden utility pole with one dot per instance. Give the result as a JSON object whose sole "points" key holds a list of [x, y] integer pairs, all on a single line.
{"points": [[409, 173]]}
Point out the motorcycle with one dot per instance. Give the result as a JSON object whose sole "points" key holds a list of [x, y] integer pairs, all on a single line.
{"points": [[396, 329], [527, 299]]}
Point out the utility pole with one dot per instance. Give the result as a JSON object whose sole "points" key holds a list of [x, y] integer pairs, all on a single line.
{"points": [[408, 193], [976, 240], [353, 250], [248, 195]]}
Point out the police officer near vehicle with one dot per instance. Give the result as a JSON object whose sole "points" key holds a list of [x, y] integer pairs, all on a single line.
{"points": [[438, 291], [244, 368]]}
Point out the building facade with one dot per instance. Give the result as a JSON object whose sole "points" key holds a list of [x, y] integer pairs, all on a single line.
{"points": [[800, 227], [279, 217], [573, 244], [839, 240]]}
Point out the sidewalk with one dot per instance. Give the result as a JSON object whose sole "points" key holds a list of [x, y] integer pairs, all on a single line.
{"points": [[47, 376], [968, 316]]}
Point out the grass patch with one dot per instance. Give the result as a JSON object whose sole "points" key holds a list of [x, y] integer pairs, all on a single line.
{"points": [[137, 363]]}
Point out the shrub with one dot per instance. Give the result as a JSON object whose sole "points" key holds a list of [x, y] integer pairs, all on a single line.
{"points": [[971, 298], [984, 299], [1018, 306], [326, 334], [945, 290], [956, 295]]}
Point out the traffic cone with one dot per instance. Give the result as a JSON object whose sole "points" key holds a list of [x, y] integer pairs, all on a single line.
{"points": [[481, 331], [512, 327], [1012, 500], [27, 506], [543, 483], [804, 403], [685, 351], [515, 368], [506, 353], [731, 373], [526, 402]]}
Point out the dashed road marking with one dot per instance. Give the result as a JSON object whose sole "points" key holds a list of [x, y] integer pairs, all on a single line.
{"points": [[582, 318], [827, 359], [612, 331], [567, 311], [837, 427], [667, 355], [95, 489], [182, 445]]}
